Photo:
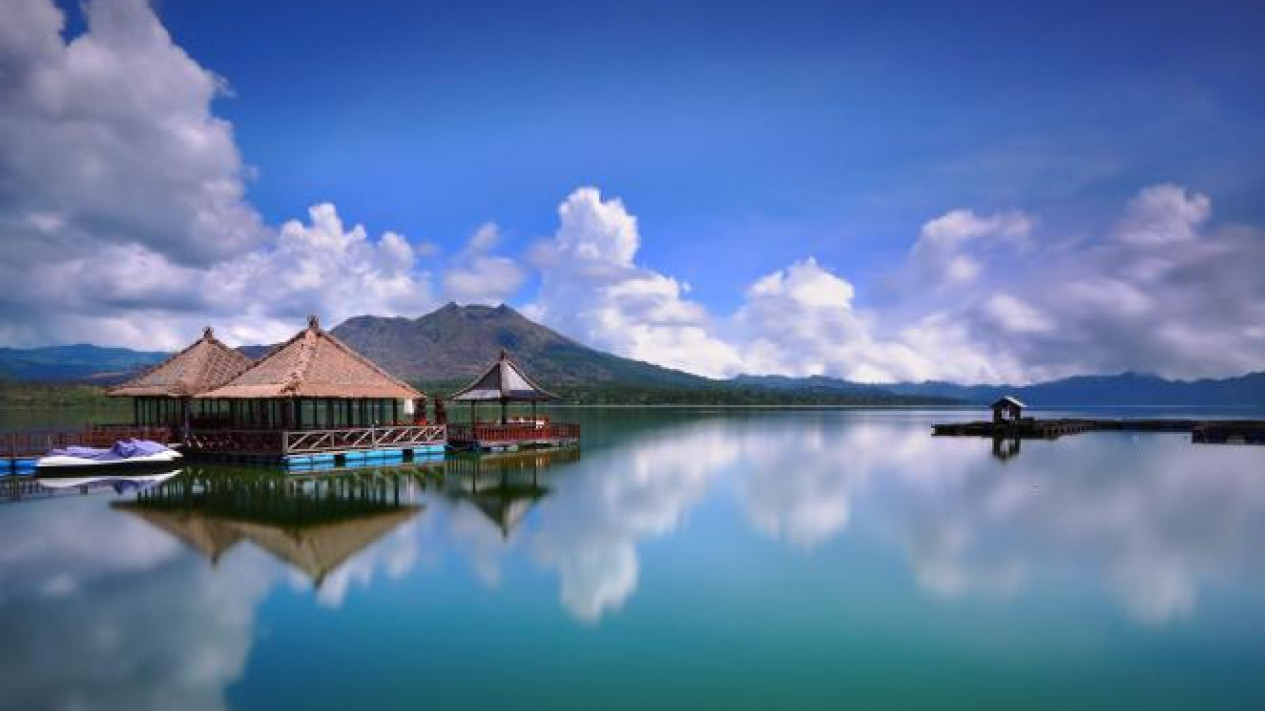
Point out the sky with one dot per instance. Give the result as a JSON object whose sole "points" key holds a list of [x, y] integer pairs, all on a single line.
{"points": [[874, 191]]}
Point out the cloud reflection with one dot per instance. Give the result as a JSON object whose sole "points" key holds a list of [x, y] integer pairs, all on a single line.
{"points": [[128, 622]]}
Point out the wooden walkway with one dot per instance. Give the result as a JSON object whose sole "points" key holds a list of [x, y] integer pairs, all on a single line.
{"points": [[1201, 431], [278, 445]]}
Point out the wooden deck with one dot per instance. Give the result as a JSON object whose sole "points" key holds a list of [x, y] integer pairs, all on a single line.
{"points": [[1026, 428], [491, 436], [1201, 431]]}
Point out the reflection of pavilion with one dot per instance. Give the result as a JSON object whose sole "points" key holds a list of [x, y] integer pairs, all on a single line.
{"points": [[314, 523], [1005, 449], [504, 487]]}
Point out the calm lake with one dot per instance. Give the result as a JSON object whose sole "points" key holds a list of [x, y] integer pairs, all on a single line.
{"points": [[737, 559]]}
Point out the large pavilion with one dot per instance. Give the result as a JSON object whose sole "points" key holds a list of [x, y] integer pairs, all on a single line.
{"points": [[314, 381], [163, 395]]}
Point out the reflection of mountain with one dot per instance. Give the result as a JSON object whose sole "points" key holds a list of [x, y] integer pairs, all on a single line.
{"points": [[314, 523], [503, 487]]}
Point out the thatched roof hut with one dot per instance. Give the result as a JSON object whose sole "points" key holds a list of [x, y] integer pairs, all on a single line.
{"points": [[314, 364], [205, 365], [503, 381]]}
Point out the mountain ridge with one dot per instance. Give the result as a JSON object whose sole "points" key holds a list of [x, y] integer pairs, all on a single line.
{"points": [[453, 344]]}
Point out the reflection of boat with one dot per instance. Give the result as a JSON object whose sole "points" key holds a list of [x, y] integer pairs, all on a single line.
{"points": [[313, 523], [120, 484], [125, 454]]}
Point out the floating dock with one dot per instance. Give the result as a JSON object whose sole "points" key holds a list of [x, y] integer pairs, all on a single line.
{"points": [[495, 437], [1201, 431]]}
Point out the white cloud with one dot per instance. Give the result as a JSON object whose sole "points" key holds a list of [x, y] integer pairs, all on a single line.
{"points": [[940, 253], [590, 288], [123, 214], [481, 277]]}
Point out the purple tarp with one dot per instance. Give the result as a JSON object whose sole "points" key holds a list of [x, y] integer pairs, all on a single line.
{"points": [[123, 449]]}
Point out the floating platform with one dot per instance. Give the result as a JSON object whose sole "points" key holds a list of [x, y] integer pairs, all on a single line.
{"points": [[1201, 431], [510, 437]]}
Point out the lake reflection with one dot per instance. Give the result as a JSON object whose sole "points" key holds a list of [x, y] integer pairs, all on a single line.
{"points": [[825, 553]]}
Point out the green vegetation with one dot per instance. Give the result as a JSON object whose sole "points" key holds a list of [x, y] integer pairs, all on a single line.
{"points": [[14, 396]]}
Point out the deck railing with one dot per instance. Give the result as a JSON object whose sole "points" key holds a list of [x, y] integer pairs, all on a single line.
{"points": [[34, 443], [283, 442], [496, 433], [384, 437]]}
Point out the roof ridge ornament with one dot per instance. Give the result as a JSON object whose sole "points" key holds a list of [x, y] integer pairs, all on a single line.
{"points": [[208, 333], [313, 322]]}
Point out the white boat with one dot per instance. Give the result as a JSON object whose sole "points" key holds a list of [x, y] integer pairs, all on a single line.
{"points": [[125, 454]]}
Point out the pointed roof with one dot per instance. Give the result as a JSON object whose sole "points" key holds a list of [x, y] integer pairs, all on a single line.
{"points": [[314, 364], [206, 364], [1008, 400], [503, 380]]}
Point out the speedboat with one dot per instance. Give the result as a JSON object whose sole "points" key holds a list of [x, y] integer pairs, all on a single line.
{"points": [[125, 454]]}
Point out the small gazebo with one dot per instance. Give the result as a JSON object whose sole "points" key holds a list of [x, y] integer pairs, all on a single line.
{"points": [[314, 381], [163, 394], [504, 382]]}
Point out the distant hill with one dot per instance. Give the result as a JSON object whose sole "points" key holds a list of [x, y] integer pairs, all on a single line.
{"points": [[1125, 389], [77, 363]]}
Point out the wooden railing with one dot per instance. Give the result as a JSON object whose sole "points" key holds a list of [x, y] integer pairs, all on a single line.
{"points": [[496, 433], [35, 443], [384, 437], [282, 442]]}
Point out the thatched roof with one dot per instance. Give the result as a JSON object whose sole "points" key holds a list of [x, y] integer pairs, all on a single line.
{"points": [[206, 364], [503, 381], [314, 364]]}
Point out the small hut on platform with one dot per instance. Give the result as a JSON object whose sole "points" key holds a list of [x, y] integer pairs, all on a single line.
{"points": [[163, 395], [1008, 409], [504, 382], [314, 381]]}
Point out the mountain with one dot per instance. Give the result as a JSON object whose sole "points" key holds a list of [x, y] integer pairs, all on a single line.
{"points": [[1125, 389], [455, 343], [79, 363]]}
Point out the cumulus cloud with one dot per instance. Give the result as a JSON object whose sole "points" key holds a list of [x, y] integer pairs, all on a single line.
{"points": [[1161, 290], [941, 255], [480, 277], [122, 200], [591, 288]]}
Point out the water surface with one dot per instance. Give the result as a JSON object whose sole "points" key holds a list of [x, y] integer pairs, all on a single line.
{"points": [[685, 559]]}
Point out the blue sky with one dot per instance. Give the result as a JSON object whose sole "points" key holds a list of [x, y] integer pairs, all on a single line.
{"points": [[813, 139], [741, 134]]}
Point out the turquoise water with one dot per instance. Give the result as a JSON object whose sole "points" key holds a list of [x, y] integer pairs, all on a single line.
{"points": [[682, 559]]}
